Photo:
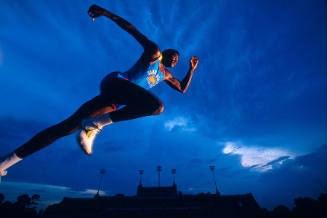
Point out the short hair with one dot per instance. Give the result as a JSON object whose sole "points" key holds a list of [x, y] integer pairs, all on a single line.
{"points": [[169, 52]]}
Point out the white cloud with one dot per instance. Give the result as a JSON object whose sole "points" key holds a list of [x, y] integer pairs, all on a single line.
{"points": [[180, 122], [93, 192], [257, 157]]}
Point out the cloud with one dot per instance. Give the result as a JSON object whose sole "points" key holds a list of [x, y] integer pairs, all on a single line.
{"points": [[179, 122], [93, 192], [303, 176], [259, 158]]}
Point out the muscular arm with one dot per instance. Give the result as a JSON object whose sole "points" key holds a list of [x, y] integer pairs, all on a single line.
{"points": [[150, 48], [183, 85]]}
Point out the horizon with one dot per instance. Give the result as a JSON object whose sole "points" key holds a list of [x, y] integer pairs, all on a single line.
{"points": [[91, 193]]}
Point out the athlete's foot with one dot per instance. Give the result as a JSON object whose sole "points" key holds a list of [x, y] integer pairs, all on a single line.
{"points": [[86, 136], [3, 172]]}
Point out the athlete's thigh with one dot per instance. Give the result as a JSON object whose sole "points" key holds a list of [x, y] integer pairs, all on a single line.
{"points": [[124, 92]]}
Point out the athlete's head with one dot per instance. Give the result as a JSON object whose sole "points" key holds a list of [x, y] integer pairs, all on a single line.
{"points": [[170, 57]]}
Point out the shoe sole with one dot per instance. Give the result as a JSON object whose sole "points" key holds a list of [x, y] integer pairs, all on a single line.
{"points": [[80, 145]]}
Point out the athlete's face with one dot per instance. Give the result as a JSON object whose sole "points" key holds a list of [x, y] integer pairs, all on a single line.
{"points": [[172, 60]]}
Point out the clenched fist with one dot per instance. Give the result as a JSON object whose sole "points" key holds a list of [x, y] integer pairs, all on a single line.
{"points": [[194, 62], [95, 11]]}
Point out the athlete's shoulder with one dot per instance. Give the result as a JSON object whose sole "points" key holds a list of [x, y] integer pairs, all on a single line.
{"points": [[151, 52], [150, 45]]}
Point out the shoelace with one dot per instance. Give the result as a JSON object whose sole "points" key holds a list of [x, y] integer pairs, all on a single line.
{"points": [[92, 131]]}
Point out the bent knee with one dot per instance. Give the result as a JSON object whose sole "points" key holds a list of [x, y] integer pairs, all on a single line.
{"points": [[159, 109]]}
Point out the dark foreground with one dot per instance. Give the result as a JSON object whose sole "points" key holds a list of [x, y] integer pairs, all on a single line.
{"points": [[191, 206]]}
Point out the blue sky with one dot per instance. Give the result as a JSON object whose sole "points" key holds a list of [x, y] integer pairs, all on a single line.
{"points": [[256, 107]]}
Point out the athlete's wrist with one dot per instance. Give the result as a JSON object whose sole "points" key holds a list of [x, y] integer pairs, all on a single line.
{"points": [[108, 14]]}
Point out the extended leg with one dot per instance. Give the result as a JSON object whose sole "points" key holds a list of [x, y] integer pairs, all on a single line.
{"points": [[94, 107]]}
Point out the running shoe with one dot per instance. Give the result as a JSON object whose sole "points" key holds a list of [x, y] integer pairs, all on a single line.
{"points": [[3, 173], [86, 136]]}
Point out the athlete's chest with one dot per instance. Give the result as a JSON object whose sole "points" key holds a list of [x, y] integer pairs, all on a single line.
{"points": [[147, 75], [154, 74]]}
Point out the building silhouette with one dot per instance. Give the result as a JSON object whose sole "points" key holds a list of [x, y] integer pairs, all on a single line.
{"points": [[161, 201]]}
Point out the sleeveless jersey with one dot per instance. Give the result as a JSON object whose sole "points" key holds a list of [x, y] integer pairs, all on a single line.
{"points": [[146, 76]]}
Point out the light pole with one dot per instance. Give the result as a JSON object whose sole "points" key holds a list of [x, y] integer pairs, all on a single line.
{"points": [[141, 173], [102, 172], [173, 171], [159, 169], [212, 169]]}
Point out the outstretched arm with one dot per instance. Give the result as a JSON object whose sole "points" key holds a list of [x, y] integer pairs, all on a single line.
{"points": [[183, 85], [96, 11]]}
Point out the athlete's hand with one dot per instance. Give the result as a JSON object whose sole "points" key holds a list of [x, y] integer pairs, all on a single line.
{"points": [[95, 11], [194, 62]]}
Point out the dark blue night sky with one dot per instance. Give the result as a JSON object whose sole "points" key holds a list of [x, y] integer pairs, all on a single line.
{"points": [[256, 107]]}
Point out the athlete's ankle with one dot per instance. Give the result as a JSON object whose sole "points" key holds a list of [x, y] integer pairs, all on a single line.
{"points": [[8, 161], [98, 122]]}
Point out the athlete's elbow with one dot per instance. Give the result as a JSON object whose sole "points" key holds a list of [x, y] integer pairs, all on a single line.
{"points": [[183, 91], [183, 88]]}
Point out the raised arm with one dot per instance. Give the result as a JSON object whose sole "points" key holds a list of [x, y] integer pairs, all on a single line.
{"points": [[96, 11], [183, 85]]}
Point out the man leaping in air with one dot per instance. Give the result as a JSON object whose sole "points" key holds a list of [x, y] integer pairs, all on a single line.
{"points": [[123, 96]]}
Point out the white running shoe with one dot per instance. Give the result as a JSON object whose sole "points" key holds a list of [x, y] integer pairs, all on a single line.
{"points": [[86, 136], [3, 172]]}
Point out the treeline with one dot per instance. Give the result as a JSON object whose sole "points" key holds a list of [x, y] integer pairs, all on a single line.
{"points": [[25, 206], [303, 207]]}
